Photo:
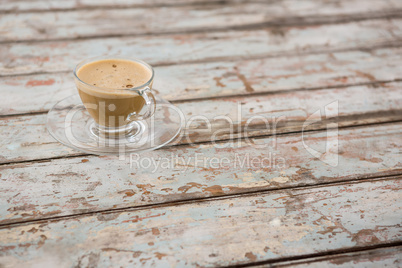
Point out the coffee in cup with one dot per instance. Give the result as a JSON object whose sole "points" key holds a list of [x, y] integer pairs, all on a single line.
{"points": [[115, 91]]}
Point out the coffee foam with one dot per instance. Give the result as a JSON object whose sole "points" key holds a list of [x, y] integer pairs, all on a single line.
{"points": [[112, 78]]}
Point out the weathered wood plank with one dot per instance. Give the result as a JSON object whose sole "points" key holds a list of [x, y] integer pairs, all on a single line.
{"points": [[135, 21], [25, 58], [24, 138], [86, 184], [40, 5], [230, 231], [324, 7], [28, 94], [380, 257]]}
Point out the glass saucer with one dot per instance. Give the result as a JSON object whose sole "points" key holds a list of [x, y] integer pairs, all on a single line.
{"points": [[70, 123]]}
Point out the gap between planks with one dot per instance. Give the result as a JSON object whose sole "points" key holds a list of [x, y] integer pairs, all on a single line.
{"points": [[129, 6], [256, 136], [248, 94], [362, 252], [306, 259], [204, 199], [377, 45], [296, 21]]}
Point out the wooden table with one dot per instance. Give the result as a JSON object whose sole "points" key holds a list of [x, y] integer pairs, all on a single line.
{"points": [[308, 90]]}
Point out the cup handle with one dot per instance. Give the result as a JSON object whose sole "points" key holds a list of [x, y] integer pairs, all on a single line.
{"points": [[149, 102]]}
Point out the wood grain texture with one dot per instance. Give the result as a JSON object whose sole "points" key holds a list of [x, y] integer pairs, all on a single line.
{"points": [[25, 138], [25, 58], [325, 7], [30, 94], [208, 234], [60, 187], [135, 21], [380, 257], [254, 197], [16, 6]]}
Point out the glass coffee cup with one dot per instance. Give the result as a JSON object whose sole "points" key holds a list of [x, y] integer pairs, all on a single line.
{"points": [[116, 93], [115, 110]]}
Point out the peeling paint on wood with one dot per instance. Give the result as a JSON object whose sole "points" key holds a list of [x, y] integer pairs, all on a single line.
{"points": [[208, 234], [228, 49], [24, 94], [24, 58], [40, 5], [381, 257], [188, 172], [25, 137], [101, 22], [323, 7]]}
